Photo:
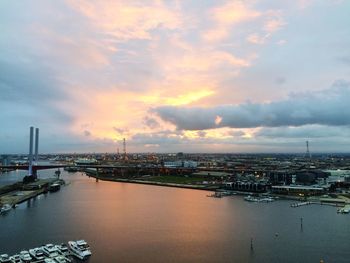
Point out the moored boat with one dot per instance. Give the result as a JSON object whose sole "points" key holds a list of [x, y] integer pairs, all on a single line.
{"points": [[79, 249], [4, 258], [5, 208], [16, 259], [50, 250], [62, 259], [25, 256], [54, 187], [63, 249], [250, 198], [49, 260], [343, 211], [37, 253]]}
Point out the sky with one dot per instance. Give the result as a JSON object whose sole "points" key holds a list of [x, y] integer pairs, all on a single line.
{"points": [[175, 76]]}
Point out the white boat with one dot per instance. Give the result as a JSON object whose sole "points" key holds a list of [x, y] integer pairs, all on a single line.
{"points": [[49, 260], [37, 253], [267, 199], [80, 249], [25, 256], [16, 259], [63, 249], [5, 208], [54, 187], [343, 211], [62, 259], [50, 250], [250, 198], [4, 258]]}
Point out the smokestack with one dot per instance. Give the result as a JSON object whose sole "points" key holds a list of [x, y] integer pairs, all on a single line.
{"points": [[124, 148], [31, 134], [36, 144]]}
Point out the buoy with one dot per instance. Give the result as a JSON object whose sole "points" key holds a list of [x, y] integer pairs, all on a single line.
{"points": [[276, 234]]}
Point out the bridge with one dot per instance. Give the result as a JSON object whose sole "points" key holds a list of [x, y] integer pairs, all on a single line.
{"points": [[138, 168], [124, 169]]}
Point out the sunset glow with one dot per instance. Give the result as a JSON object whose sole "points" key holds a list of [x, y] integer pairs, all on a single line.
{"points": [[175, 75]]}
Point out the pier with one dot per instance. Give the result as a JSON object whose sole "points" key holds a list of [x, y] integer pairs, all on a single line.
{"points": [[19, 192], [301, 204]]}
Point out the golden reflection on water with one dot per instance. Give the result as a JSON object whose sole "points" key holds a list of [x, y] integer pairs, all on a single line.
{"points": [[141, 223]]}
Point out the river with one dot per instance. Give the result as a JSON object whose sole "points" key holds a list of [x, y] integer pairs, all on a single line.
{"points": [[126, 222]]}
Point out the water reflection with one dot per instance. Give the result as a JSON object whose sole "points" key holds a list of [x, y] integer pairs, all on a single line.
{"points": [[141, 223]]}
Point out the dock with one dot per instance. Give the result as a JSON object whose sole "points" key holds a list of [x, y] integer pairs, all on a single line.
{"points": [[301, 204], [17, 193]]}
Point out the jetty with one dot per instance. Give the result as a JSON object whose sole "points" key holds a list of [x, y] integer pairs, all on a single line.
{"points": [[302, 204], [12, 195]]}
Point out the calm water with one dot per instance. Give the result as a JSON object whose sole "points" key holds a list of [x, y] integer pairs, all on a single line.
{"points": [[139, 223]]}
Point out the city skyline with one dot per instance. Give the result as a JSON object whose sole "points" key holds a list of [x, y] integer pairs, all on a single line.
{"points": [[172, 76]]}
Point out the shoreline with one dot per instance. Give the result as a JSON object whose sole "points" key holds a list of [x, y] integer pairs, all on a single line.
{"points": [[312, 199], [185, 186], [18, 193]]}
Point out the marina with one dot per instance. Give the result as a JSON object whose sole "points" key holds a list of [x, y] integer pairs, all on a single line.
{"points": [[51, 253]]}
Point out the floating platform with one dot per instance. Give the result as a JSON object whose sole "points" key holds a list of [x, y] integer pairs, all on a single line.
{"points": [[301, 204]]}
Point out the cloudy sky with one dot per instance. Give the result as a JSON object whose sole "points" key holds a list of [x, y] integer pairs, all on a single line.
{"points": [[169, 76]]}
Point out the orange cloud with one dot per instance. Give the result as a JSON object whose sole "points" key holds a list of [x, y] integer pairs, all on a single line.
{"points": [[273, 25], [256, 39], [226, 16], [190, 73], [234, 12], [125, 20]]}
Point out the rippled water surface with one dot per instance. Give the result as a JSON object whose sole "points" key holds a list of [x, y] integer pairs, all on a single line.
{"points": [[140, 223]]}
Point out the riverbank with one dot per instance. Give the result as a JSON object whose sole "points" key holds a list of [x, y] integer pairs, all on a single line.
{"points": [[17, 193], [177, 185], [337, 202]]}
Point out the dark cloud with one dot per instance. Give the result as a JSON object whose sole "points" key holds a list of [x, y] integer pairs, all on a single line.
{"points": [[155, 138], [87, 133], [236, 133], [327, 107], [28, 83], [34, 91], [120, 130], [151, 122], [307, 131], [161, 138]]}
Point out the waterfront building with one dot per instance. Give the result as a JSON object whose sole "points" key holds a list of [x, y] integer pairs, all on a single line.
{"points": [[298, 190], [185, 164], [259, 187]]}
